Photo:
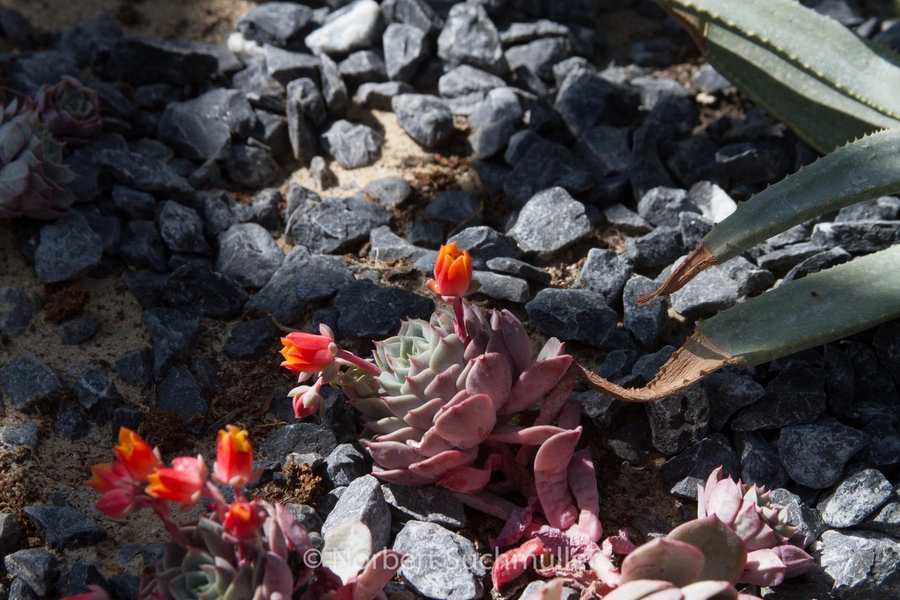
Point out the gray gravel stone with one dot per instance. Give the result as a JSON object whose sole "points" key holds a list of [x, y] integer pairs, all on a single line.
{"points": [[173, 334], [9, 533], [220, 211], [389, 191], [626, 220], [142, 247], [351, 28], [194, 287], [572, 315], [855, 498], [380, 95], [301, 438], [142, 173], [502, 287], [645, 323], [484, 243], [192, 133], [452, 570], [660, 247], [729, 391], [604, 272], [36, 567], [15, 435], [426, 119], [405, 49], [417, 13], [815, 455], [454, 207], [823, 260], [17, 308], [344, 465], [518, 268], [546, 165], [334, 90], [857, 236], [335, 224], [29, 382], [713, 201], [68, 249], [250, 166], [606, 149], [64, 527], [278, 23], [367, 310], [353, 145], [699, 461], [539, 56], [284, 66], [759, 461], [363, 500], [181, 228], [861, 563], [680, 420], [550, 206], [97, 393], [464, 87], [430, 504], [251, 340], [884, 520], [795, 396], [470, 37], [136, 367], [719, 287], [363, 66], [248, 254], [179, 392], [585, 100]]}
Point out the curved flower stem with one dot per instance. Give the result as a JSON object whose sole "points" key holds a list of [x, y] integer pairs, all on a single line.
{"points": [[215, 494], [459, 319], [165, 515], [356, 361]]}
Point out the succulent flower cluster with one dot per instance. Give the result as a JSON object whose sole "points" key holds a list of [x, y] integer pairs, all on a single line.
{"points": [[240, 550]]}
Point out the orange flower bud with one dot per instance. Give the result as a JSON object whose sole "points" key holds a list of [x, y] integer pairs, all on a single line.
{"points": [[106, 476], [182, 483], [234, 458], [241, 520], [138, 457], [452, 272], [307, 353]]}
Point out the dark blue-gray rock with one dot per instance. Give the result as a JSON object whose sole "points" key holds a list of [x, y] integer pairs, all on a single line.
{"points": [[17, 308], [645, 323], [657, 52], [142, 173], [886, 208], [29, 382], [883, 444], [353, 27], [861, 563], [540, 55], [180, 393], [146, 287], [228, 106], [140, 60], [719, 287], [192, 133], [142, 247], [453, 571], [389, 191], [405, 49], [648, 366], [693, 228], [206, 374], [729, 391], [284, 66], [455, 207], [417, 13], [627, 437], [304, 102], [502, 287], [605, 149], [518, 268], [64, 527], [261, 89], [663, 205], [338, 416], [464, 87], [278, 23], [713, 201], [691, 160], [759, 461], [306, 515], [699, 461], [265, 209], [800, 514], [686, 489], [36, 567], [181, 228], [133, 204], [618, 363], [572, 315], [519, 145], [887, 346], [345, 465], [366, 310], [646, 169], [604, 272], [9, 533], [626, 220], [546, 165], [815, 455], [82, 575], [334, 90], [19, 590], [874, 390], [754, 162], [156, 96], [195, 288], [586, 100], [363, 66], [301, 438], [424, 232], [335, 224], [251, 166], [28, 71], [817, 262], [426, 119], [220, 211], [885, 520], [795, 396], [470, 37], [248, 254], [97, 393], [125, 586], [272, 130], [658, 248], [353, 145], [522, 33], [380, 95], [485, 243], [78, 330], [679, 421], [857, 497], [430, 504], [173, 334], [68, 249], [108, 228], [554, 205], [136, 367], [328, 502], [126, 417], [251, 340], [857, 236], [363, 500], [782, 260], [82, 41], [707, 79], [16, 435], [386, 245]]}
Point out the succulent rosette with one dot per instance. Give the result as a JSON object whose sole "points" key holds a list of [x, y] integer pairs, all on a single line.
{"points": [[70, 110]]}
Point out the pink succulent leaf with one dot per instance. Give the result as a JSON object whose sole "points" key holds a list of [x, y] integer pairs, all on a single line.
{"points": [[458, 398], [639, 590], [374, 408], [467, 480], [724, 551], [401, 476], [764, 538], [550, 478], [556, 399], [490, 375], [487, 503], [528, 436], [295, 533], [711, 482], [447, 353], [392, 455], [552, 347], [525, 455], [709, 590], [431, 444], [515, 527], [701, 501], [796, 561], [606, 571], [386, 425], [468, 423], [618, 544], [439, 465], [516, 473], [404, 435], [535, 382], [582, 479], [275, 536], [569, 545], [517, 341], [763, 568], [552, 590], [747, 523], [513, 563], [277, 582], [724, 500], [665, 559], [444, 385], [423, 417], [570, 415], [377, 573], [417, 384], [400, 405]]}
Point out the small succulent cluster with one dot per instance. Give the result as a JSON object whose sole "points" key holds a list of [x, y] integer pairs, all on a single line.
{"points": [[33, 178], [242, 550]]}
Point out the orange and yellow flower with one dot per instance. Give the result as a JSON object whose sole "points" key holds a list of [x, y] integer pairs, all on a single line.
{"points": [[307, 352], [241, 520], [182, 483], [452, 272], [136, 455], [234, 458]]}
